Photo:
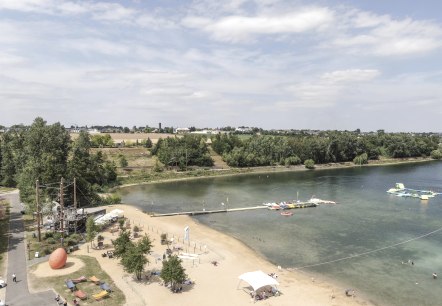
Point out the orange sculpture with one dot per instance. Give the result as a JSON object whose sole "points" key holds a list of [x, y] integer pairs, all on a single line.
{"points": [[58, 258]]}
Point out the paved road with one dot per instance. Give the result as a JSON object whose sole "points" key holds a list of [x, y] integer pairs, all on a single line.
{"points": [[18, 293]]}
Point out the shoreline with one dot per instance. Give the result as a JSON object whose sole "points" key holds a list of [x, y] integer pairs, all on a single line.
{"points": [[215, 285], [234, 257], [280, 169]]}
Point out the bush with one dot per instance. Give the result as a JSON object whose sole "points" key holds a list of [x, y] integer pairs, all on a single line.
{"points": [[361, 159], [110, 199], [76, 237], [436, 154], [70, 242], [47, 250], [309, 164], [292, 160], [158, 167], [49, 235], [57, 236], [136, 229], [51, 240]]}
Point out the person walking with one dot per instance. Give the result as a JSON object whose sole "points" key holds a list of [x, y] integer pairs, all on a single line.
{"points": [[14, 278]]}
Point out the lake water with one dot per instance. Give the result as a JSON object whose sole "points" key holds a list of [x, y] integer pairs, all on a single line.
{"points": [[366, 219]]}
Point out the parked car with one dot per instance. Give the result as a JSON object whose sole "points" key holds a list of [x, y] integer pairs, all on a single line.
{"points": [[2, 283]]}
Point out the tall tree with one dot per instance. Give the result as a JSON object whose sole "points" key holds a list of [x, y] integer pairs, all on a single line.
{"points": [[173, 272], [91, 229], [134, 259], [46, 151]]}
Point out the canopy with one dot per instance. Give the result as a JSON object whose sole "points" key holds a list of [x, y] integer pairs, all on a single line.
{"points": [[258, 279], [117, 213]]}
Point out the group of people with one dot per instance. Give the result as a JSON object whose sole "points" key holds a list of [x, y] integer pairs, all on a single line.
{"points": [[63, 302], [264, 294]]}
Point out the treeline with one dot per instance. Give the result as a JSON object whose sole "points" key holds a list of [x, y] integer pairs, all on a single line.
{"points": [[330, 147], [46, 153], [189, 150]]}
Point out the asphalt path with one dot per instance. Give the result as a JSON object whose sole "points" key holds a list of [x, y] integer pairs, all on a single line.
{"points": [[17, 293]]}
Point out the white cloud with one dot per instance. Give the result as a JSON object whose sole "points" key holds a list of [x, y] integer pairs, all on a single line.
{"points": [[95, 45], [381, 35], [10, 59], [351, 75], [238, 28], [105, 11]]}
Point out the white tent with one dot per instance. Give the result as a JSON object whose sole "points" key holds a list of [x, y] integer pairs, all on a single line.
{"points": [[258, 279], [118, 213]]}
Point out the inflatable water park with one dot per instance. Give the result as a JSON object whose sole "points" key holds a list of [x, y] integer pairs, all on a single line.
{"points": [[400, 191]]}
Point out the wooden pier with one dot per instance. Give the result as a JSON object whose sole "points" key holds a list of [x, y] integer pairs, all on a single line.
{"points": [[204, 212]]}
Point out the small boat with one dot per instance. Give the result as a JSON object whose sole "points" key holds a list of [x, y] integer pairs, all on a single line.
{"points": [[286, 213]]}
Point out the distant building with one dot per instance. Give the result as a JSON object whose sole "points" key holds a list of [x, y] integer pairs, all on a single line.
{"points": [[206, 132], [93, 131], [243, 129], [182, 130]]}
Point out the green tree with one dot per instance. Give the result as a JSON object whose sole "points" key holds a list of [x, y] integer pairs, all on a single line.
{"points": [[134, 259], [436, 154], [292, 160], [361, 159], [46, 151], [122, 161], [148, 143], [122, 244], [91, 230], [173, 272]]}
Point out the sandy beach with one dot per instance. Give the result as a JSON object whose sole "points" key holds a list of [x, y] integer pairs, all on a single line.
{"points": [[214, 285]]}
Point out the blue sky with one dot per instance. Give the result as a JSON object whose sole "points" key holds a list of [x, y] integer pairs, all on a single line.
{"points": [[206, 63]]}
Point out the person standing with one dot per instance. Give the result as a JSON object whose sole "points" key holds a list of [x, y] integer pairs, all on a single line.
{"points": [[14, 278]]}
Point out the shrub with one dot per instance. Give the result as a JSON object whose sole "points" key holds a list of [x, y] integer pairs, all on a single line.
{"points": [[56, 236], [49, 235], [136, 229], [292, 160], [47, 250], [51, 240], [309, 164], [361, 159], [76, 237], [436, 154], [70, 242]]}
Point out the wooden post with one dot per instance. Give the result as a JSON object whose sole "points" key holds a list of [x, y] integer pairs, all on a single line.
{"points": [[75, 203], [38, 210]]}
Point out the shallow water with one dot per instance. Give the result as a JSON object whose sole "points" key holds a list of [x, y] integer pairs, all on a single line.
{"points": [[366, 219]]}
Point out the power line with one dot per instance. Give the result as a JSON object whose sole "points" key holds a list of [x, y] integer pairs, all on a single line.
{"points": [[368, 252]]}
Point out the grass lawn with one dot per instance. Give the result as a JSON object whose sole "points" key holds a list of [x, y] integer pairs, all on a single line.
{"points": [[4, 228], [91, 267]]}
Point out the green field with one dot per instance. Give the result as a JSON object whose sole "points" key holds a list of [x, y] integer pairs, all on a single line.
{"points": [[91, 267]]}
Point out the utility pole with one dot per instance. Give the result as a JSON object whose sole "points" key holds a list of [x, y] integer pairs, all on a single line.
{"points": [[75, 202], [38, 210], [62, 208]]}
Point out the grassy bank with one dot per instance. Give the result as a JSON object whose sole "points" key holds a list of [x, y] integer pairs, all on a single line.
{"points": [[91, 267], [146, 177], [4, 229]]}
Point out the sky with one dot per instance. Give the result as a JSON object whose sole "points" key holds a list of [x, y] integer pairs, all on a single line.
{"points": [[274, 64]]}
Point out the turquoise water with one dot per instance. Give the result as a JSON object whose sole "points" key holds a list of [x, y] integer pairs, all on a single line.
{"points": [[366, 218]]}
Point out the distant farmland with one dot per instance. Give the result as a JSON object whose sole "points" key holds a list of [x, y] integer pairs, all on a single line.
{"points": [[132, 137]]}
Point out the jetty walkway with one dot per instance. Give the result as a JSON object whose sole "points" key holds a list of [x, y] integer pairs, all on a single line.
{"points": [[204, 212]]}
